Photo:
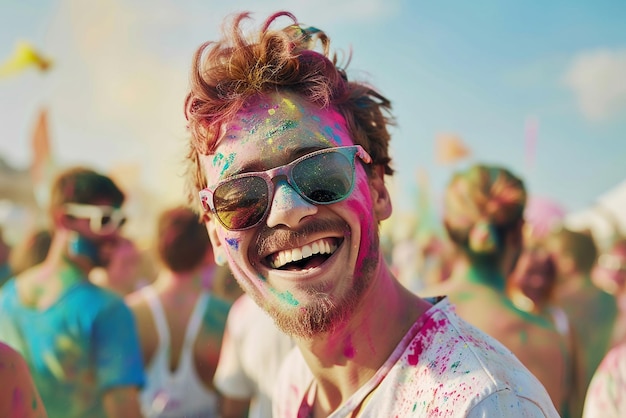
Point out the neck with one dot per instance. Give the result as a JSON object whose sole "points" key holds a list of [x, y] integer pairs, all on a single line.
{"points": [[486, 274], [58, 256], [344, 359], [72, 272]]}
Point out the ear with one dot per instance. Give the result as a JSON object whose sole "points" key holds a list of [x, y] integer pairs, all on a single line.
{"points": [[59, 218], [218, 249], [380, 195]]}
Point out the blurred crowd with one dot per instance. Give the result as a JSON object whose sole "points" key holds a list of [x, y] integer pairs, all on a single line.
{"points": [[561, 308]]}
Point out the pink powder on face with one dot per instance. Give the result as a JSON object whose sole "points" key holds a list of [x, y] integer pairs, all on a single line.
{"points": [[349, 350]]}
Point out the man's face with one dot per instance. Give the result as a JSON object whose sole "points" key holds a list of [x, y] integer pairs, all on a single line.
{"points": [[333, 248], [96, 231], [533, 277]]}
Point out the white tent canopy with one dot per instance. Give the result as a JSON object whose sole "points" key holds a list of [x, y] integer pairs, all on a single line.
{"points": [[605, 219]]}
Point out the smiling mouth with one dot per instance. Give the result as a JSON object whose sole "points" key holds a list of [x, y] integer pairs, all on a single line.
{"points": [[307, 256]]}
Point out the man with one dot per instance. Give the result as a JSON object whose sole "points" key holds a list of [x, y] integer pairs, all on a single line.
{"points": [[79, 340], [591, 311], [180, 324], [288, 157], [605, 397]]}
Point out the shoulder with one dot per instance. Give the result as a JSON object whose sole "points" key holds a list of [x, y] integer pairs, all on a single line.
{"points": [[458, 352], [508, 403]]}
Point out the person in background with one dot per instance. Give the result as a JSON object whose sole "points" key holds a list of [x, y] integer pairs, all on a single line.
{"points": [[531, 284], [287, 161], [180, 323], [30, 251], [252, 352], [592, 312], [606, 394], [125, 273], [5, 267], [531, 288], [79, 340], [19, 397], [483, 216], [610, 272]]}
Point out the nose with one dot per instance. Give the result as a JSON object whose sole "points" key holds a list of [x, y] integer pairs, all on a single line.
{"points": [[288, 207]]}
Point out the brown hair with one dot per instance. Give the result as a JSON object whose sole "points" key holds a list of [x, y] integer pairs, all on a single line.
{"points": [[482, 204], [83, 185], [182, 241], [228, 73], [580, 246]]}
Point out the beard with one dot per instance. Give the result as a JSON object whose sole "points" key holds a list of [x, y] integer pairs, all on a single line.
{"points": [[323, 313]]}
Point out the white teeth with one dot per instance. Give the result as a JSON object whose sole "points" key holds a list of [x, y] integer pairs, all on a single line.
{"points": [[322, 246], [307, 251], [296, 254]]}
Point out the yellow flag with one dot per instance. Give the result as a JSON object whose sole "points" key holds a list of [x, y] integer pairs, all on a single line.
{"points": [[24, 57]]}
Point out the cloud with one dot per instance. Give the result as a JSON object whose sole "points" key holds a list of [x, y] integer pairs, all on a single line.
{"points": [[597, 79]]}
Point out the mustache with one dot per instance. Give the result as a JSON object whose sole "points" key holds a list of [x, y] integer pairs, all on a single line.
{"points": [[282, 237]]}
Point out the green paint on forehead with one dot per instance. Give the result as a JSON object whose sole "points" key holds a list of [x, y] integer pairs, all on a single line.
{"points": [[223, 162], [286, 125]]}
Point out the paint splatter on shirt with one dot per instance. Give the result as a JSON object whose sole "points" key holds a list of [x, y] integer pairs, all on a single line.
{"points": [[606, 396], [443, 367]]}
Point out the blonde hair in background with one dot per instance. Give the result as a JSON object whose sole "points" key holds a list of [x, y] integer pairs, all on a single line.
{"points": [[481, 204]]}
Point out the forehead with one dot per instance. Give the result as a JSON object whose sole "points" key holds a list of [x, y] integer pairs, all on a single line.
{"points": [[272, 128]]}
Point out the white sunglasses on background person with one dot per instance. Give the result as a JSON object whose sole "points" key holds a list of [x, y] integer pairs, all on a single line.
{"points": [[102, 219]]}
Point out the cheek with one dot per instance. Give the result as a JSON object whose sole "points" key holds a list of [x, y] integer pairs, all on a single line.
{"points": [[360, 202], [360, 205]]}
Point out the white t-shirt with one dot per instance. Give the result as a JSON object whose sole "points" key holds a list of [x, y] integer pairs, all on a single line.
{"points": [[253, 349], [443, 367], [606, 395]]}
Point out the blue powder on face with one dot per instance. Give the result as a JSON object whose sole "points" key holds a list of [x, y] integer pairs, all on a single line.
{"points": [[233, 243]]}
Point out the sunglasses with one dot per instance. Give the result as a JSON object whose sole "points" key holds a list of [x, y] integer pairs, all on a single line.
{"points": [[102, 219], [321, 177]]}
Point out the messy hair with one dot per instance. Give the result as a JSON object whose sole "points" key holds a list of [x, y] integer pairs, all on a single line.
{"points": [[482, 204], [579, 245], [182, 241], [228, 73], [84, 185]]}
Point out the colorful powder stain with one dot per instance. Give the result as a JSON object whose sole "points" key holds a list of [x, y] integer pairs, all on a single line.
{"points": [[233, 243], [288, 124], [290, 105], [220, 160], [286, 297], [349, 350]]}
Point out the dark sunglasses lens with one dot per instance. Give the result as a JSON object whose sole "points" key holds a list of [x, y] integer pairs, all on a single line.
{"points": [[324, 178], [241, 203]]}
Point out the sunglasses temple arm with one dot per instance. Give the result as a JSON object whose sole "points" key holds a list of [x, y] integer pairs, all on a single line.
{"points": [[363, 155]]}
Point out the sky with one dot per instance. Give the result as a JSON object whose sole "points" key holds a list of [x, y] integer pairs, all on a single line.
{"points": [[488, 72]]}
